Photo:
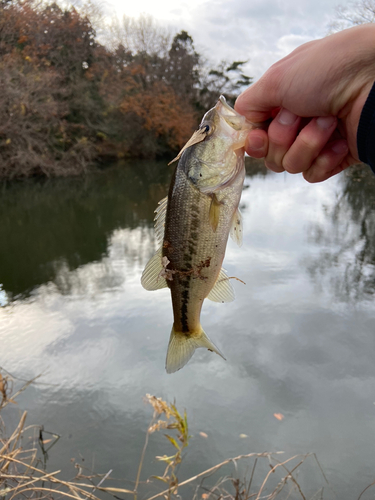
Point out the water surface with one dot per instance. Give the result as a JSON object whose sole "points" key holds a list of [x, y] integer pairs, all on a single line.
{"points": [[299, 339]]}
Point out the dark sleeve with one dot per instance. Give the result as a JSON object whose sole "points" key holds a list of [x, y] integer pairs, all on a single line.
{"points": [[366, 131]]}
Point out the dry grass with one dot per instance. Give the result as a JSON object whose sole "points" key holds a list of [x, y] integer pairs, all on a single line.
{"points": [[23, 474]]}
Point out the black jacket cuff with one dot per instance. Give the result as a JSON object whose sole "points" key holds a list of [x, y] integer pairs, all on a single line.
{"points": [[366, 131]]}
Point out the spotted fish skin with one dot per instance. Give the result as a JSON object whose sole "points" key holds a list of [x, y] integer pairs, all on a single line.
{"points": [[195, 221], [195, 251]]}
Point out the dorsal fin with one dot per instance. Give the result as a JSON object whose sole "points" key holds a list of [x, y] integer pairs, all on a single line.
{"points": [[159, 219]]}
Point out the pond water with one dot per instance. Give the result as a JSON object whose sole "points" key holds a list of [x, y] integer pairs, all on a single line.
{"points": [[299, 338]]}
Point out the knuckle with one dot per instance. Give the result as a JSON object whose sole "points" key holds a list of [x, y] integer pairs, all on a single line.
{"points": [[255, 153], [308, 142], [321, 168], [277, 141], [323, 161], [292, 166], [273, 166], [313, 177]]}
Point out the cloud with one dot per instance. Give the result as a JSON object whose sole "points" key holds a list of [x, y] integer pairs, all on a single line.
{"points": [[260, 31], [288, 43]]}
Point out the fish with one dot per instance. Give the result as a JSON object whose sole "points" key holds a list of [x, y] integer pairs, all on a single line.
{"points": [[192, 225]]}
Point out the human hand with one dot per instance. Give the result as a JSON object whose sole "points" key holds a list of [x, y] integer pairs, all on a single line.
{"points": [[313, 99]]}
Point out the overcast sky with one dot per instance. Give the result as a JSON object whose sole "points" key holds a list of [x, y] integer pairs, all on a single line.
{"points": [[261, 31]]}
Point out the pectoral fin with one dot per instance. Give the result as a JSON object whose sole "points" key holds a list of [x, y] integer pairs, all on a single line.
{"points": [[236, 228], [151, 277], [222, 290], [214, 214]]}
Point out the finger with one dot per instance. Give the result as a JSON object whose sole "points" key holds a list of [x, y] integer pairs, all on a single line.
{"points": [[258, 101], [308, 144], [257, 143], [282, 133], [330, 161]]}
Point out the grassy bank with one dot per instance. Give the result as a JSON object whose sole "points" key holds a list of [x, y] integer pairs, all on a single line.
{"points": [[257, 476]]}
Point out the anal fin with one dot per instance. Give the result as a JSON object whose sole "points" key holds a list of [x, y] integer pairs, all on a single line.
{"points": [[222, 290]]}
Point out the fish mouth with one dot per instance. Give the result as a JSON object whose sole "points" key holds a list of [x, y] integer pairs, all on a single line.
{"points": [[230, 115]]}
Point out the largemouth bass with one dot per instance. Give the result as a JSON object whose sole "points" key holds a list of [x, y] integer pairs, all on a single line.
{"points": [[192, 225]]}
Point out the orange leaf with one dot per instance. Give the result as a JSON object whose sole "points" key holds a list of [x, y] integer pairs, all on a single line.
{"points": [[279, 416]]}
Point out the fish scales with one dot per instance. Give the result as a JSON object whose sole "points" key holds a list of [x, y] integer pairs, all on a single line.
{"points": [[193, 224], [194, 249]]}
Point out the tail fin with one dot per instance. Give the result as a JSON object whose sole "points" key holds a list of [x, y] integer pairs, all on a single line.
{"points": [[181, 348]]}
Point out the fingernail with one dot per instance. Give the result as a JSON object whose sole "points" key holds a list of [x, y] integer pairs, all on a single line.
{"points": [[285, 117], [255, 143], [325, 121], [340, 147]]}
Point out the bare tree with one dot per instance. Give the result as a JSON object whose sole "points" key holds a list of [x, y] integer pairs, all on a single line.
{"points": [[353, 14], [139, 35], [66, 100]]}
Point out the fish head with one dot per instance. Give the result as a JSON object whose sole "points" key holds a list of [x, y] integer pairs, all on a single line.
{"points": [[233, 124], [214, 157], [225, 126], [221, 129], [224, 132]]}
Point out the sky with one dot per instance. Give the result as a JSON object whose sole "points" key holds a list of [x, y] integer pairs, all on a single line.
{"points": [[257, 31]]}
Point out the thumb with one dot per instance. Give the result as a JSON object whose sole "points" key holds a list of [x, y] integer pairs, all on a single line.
{"points": [[256, 103]]}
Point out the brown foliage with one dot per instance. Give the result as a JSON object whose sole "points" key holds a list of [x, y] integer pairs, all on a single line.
{"points": [[35, 138], [47, 35], [42, 53], [67, 101], [162, 113]]}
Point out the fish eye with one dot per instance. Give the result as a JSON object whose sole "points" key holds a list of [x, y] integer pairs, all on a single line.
{"points": [[208, 129]]}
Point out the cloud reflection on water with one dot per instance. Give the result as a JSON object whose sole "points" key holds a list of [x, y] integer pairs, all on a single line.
{"points": [[291, 345]]}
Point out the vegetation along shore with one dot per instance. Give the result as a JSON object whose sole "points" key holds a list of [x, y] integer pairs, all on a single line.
{"points": [[69, 101]]}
